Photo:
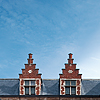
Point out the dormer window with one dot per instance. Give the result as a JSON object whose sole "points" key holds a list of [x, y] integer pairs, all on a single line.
{"points": [[70, 87], [29, 87]]}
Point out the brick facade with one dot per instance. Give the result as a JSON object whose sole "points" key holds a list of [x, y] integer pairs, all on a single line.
{"points": [[50, 89], [50, 97], [70, 73], [30, 73]]}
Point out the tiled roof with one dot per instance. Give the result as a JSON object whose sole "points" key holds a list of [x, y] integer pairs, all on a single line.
{"points": [[49, 87], [90, 87], [9, 86]]}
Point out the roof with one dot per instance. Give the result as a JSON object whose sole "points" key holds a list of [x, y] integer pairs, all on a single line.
{"points": [[49, 87], [90, 87], [9, 86]]}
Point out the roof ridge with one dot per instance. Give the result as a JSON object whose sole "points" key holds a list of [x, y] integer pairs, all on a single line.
{"points": [[50, 79], [90, 79], [9, 78]]}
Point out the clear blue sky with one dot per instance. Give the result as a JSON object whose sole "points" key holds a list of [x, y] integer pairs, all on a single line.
{"points": [[50, 29]]}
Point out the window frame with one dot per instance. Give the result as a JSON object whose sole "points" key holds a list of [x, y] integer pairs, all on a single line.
{"points": [[70, 86], [29, 86]]}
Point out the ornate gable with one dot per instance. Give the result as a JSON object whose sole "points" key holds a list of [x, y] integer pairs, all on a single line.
{"points": [[30, 79], [70, 75]]}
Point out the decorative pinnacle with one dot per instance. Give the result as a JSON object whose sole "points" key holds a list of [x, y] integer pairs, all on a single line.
{"points": [[30, 55], [30, 60], [70, 60], [70, 55]]}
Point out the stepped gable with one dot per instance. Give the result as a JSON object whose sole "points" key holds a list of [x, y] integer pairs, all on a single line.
{"points": [[30, 73], [30, 70], [70, 73], [70, 70]]}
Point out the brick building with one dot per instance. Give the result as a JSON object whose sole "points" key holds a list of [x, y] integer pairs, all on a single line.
{"points": [[30, 84]]}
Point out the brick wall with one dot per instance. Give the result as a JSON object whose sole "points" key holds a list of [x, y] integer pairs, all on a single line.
{"points": [[30, 73], [50, 98], [70, 73]]}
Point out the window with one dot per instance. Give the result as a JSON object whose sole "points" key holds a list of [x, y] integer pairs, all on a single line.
{"points": [[26, 83], [26, 90], [29, 87], [70, 87]]}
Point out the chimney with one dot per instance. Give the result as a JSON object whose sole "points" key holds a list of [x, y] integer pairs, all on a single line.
{"points": [[70, 60], [30, 60]]}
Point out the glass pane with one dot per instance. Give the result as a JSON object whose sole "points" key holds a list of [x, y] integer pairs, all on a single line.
{"points": [[67, 83], [32, 90], [27, 83], [67, 90], [73, 83], [32, 82], [73, 90], [26, 90]]}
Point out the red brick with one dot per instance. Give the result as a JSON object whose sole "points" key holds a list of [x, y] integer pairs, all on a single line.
{"points": [[33, 74], [74, 75]]}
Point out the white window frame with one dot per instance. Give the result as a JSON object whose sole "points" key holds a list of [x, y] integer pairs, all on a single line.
{"points": [[29, 86], [70, 86]]}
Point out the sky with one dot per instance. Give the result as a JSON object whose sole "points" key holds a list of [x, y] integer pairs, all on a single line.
{"points": [[50, 30]]}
